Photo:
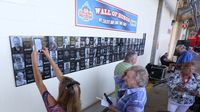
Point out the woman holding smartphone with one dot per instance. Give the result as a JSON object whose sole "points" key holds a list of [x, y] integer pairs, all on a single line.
{"points": [[69, 90]]}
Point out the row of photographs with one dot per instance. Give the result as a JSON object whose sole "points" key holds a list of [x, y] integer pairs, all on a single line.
{"points": [[70, 53], [24, 43]]}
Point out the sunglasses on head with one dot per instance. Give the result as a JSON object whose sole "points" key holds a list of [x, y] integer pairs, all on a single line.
{"points": [[71, 84]]}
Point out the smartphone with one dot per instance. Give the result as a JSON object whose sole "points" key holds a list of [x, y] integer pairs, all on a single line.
{"points": [[108, 100], [37, 42]]}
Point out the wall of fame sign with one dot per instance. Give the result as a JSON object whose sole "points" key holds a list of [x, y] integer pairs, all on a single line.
{"points": [[71, 53]]}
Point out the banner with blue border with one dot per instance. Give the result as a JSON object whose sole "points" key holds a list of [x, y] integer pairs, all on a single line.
{"points": [[99, 14]]}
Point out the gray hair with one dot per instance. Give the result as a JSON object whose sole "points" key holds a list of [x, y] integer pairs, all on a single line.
{"points": [[141, 75], [129, 55], [180, 46]]}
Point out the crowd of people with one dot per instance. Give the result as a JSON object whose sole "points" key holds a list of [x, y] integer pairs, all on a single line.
{"points": [[130, 82]]}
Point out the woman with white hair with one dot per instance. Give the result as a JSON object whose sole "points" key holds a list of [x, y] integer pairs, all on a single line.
{"points": [[134, 99]]}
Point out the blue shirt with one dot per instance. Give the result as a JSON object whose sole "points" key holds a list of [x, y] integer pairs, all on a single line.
{"points": [[183, 98], [186, 56], [133, 100]]}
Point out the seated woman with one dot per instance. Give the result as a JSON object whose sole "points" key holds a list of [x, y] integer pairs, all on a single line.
{"points": [[134, 99], [183, 87], [165, 61], [69, 90]]}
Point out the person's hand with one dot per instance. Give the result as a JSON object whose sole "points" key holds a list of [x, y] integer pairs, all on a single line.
{"points": [[179, 88], [46, 52]]}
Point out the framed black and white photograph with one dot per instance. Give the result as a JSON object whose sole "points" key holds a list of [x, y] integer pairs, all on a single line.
{"points": [[111, 42], [99, 41], [94, 52], [87, 52], [82, 42], [91, 62], [60, 55], [105, 50], [116, 49], [20, 78], [95, 41], [52, 43], [77, 65], [72, 42], [44, 41], [82, 52], [66, 55], [66, 42], [87, 63], [77, 43], [66, 67], [98, 61], [131, 42], [107, 59], [60, 42], [114, 42], [91, 52], [91, 42], [104, 59], [98, 51], [72, 66], [16, 44], [87, 42], [110, 58], [54, 55], [18, 61], [103, 41], [61, 66], [82, 64], [106, 41], [78, 57], [72, 53], [101, 60], [117, 41], [94, 61], [102, 50]]}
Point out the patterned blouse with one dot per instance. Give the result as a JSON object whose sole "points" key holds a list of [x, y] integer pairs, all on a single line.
{"points": [[51, 108], [184, 98]]}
